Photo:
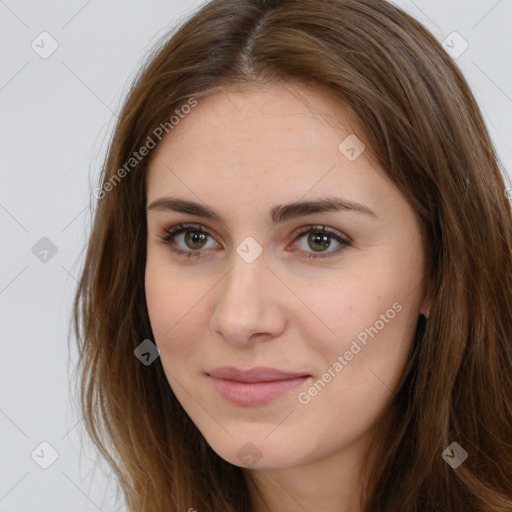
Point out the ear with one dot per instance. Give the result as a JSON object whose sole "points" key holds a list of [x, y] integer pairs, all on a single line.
{"points": [[425, 307]]}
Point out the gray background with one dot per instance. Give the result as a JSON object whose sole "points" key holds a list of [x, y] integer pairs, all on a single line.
{"points": [[56, 116]]}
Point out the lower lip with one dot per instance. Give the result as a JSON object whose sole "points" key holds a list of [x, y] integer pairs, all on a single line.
{"points": [[254, 393]]}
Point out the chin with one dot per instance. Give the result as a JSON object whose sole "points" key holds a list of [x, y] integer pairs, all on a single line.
{"points": [[255, 452]]}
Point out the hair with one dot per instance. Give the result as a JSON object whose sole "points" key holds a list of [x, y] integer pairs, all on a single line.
{"points": [[427, 132]]}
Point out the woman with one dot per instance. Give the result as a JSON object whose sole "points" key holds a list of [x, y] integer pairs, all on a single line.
{"points": [[297, 292]]}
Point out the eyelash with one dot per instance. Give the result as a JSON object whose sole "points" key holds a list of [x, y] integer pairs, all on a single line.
{"points": [[167, 237]]}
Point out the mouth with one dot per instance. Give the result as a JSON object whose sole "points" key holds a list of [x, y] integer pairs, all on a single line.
{"points": [[254, 386]]}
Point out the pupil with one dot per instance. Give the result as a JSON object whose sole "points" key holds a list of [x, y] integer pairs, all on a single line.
{"points": [[194, 237], [318, 239]]}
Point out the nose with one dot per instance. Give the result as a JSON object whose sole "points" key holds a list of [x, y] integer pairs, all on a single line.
{"points": [[247, 303]]}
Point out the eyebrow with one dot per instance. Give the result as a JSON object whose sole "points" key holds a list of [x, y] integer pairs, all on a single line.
{"points": [[278, 214]]}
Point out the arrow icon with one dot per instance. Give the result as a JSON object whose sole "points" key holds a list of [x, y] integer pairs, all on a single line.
{"points": [[455, 44], [351, 147], [44, 45], [44, 250], [249, 249], [249, 454], [147, 352], [44, 455], [454, 455]]}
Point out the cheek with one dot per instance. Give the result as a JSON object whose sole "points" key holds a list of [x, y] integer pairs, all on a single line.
{"points": [[176, 308], [363, 319], [339, 309]]}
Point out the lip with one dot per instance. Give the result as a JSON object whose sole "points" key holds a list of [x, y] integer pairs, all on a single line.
{"points": [[256, 374], [256, 385]]}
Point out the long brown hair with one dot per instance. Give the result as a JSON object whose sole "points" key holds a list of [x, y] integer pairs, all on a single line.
{"points": [[425, 127]]}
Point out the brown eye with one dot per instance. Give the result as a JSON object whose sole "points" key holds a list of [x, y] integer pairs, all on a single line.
{"points": [[195, 239], [319, 239], [187, 240], [319, 242]]}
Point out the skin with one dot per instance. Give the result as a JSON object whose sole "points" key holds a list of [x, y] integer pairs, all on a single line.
{"points": [[241, 152]]}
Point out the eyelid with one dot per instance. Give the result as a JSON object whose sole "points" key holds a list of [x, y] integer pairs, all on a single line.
{"points": [[169, 234], [322, 228], [186, 226]]}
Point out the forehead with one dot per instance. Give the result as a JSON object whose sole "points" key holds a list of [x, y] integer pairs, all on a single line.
{"points": [[272, 143], [300, 117]]}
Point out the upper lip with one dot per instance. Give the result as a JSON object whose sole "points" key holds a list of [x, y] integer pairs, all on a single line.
{"points": [[256, 374]]}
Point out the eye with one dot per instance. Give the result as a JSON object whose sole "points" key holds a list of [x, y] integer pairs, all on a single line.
{"points": [[188, 240], [320, 238], [192, 237]]}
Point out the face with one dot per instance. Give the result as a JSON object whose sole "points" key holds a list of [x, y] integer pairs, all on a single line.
{"points": [[330, 297]]}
